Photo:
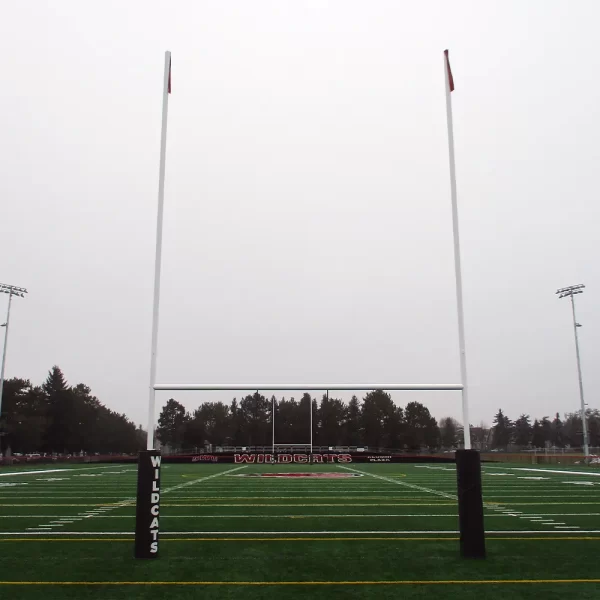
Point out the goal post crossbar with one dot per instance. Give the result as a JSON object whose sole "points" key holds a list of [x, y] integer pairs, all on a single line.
{"points": [[226, 387]]}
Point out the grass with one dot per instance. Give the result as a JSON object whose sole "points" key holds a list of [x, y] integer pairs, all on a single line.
{"points": [[390, 531]]}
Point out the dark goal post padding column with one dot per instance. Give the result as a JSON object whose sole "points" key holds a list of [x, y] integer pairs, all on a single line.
{"points": [[470, 504], [147, 505]]}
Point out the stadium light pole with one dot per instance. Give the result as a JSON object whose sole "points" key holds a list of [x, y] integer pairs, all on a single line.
{"points": [[11, 290], [564, 293]]}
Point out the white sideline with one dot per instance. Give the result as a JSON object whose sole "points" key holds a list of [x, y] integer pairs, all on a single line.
{"points": [[317, 516], [277, 533], [55, 470], [549, 471]]}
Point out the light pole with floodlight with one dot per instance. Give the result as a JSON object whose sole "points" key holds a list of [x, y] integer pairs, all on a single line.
{"points": [[11, 290], [570, 292]]}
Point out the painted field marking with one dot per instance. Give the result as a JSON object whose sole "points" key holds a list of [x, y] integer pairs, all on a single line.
{"points": [[579, 482], [549, 471], [497, 507], [402, 483], [508, 497], [544, 537], [304, 583], [266, 534], [14, 474], [307, 504], [79, 495], [552, 503], [259, 516], [297, 516], [129, 501]]}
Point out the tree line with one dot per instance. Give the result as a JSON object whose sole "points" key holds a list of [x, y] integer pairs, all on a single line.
{"points": [[58, 418], [542, 433], [375, 421]]}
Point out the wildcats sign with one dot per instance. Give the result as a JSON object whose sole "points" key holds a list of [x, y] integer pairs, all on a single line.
{"points": [[147, 505], [301, 459]]}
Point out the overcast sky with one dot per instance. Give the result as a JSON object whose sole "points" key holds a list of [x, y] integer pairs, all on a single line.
{"points": [[307, 231]]}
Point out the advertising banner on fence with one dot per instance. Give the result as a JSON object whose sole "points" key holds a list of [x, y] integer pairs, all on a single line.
{"points": [[300, 458]]}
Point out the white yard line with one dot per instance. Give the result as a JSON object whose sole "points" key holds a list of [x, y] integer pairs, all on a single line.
{"points": [[293, 533], [13, 474], [402, 483], [549, 471], [539, 517], [494, 507], [129, 501]]}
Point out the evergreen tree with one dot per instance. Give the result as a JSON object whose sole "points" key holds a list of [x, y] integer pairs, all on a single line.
{"points": [[236, 423], [502, 431], [537, 435], [377, 410], [573, 430], [449, 432], [546, 426], [523, 431], [331, 418], [172, 424], [286, 414], [61, 433], [593, 421], [557, 436], [23, 420], [395, 429], [353, 430], [216, 421], [421, 429], [255, 411]]}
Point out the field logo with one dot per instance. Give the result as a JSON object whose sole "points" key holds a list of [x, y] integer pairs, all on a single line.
{"points": [[260, 459]]}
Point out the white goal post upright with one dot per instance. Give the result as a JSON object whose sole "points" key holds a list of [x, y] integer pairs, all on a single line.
{"points": [[154, 387], [457, 266], [158, 252]]}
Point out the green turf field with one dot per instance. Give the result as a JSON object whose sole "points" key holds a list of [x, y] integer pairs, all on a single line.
{"points": [[387, 531]]}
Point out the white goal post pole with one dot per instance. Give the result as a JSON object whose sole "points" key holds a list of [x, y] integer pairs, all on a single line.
{"points": [[158, 257], [457, 266]]}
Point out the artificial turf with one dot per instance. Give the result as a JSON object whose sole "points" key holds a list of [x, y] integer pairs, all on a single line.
{"points": [[390, 530]]}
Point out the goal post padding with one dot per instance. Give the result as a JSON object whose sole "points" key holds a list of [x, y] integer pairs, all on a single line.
{"points": [[147, 504]]}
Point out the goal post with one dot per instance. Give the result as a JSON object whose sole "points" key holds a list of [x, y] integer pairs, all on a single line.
{"points": [[148, 493]]}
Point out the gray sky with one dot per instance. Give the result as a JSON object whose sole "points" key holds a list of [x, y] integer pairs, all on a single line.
{"points": [[307, 231]]}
